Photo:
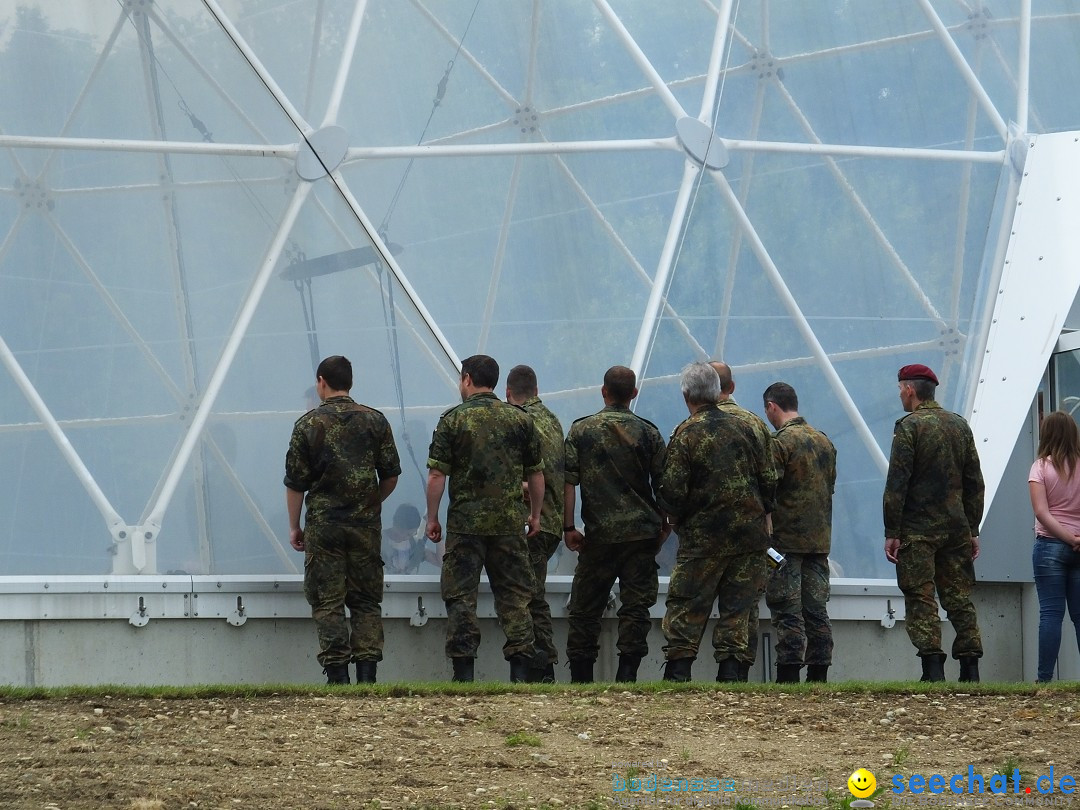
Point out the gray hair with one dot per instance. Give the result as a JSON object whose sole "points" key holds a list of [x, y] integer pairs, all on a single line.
{"points": [[700, 383]]}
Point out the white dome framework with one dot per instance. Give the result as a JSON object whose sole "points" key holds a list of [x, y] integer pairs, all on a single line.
{"points": [[201, 198]]}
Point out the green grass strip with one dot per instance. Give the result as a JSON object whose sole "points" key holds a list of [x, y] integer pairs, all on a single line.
{"points": [[426, 688]]}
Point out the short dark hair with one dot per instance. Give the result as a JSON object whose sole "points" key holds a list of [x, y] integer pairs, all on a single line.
{"points": [[925, 390], [620, 382], [783, 395], [483, 370], [336, 371], [521, 381]]}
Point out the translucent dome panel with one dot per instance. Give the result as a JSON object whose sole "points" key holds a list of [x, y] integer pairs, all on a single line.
{"points": [[199, 200]]}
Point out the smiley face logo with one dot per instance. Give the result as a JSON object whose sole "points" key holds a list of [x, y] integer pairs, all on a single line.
{"points": [[862, 784]]}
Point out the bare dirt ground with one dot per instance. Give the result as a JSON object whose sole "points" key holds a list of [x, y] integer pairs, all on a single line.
{"points": [[553, 748]]}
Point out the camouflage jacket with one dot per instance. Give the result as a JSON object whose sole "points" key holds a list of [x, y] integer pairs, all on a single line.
{"points": [[935, 485], [757, 425], [749, 417], [338, 453], [551, 445], [805, 462], [487, 447], [717, 481], [616, 457]]}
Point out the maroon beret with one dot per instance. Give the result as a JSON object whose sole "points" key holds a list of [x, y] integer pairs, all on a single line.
{"points": [[917, 371]]}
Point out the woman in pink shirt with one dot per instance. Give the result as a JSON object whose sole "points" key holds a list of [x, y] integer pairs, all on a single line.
{"points": [[1054, 482]]}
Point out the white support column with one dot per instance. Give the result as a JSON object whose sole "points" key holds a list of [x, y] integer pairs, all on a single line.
{"points": [[1023, 79], [699, 351], [736, 241], [113, 522], [156, 512], [345, 65], [374, 278], [395, 268], [355, 153], [983, 309], [664, 268], [968, 75], [954, 362], [287, 151], [792, 306], [642, 61], [264, 75], [709, 109], [847, 150], [534, 51], [313, 61]]}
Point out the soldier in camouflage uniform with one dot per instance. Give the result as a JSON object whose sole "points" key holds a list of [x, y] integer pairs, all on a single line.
{"points": [[615, 457], [805, 462], [719, 485], [522, 390], [342, 455], [763, 436], [486, 447], [933, 505]]}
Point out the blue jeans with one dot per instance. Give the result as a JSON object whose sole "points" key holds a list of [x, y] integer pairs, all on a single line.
{"points": [[1057, 580]]}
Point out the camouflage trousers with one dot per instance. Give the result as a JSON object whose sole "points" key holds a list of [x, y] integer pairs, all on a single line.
{"points": [[748, 654], [342, 568], [797, 595], [733, 581], [505, 558], [541, 549], [599, 565], [924, 563]]}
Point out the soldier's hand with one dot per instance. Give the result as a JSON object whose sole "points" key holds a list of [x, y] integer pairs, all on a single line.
{"points": [[892, 548], [434, 530], [574, 540], [974, 548], [533, 524], [296, 539]]}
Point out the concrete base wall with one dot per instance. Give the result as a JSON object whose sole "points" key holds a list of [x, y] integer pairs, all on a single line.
{"points": [[184, 651]]}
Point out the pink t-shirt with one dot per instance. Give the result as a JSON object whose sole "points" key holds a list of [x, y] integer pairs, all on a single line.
{"points": [[1062, 496]]}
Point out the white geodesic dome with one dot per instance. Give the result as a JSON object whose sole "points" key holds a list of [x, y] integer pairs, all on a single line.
{"points": [[199, 199]]}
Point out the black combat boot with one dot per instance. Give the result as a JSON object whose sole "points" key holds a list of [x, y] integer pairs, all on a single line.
{"points": [[678, 670], [728, 670], [933, 667], [581, 671], [628, 665], [969, 669], [542, 674], [788, 673], [817, 673], [463, 670], [744, 671], [519, 668], [336, 673], [365, 671]]}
